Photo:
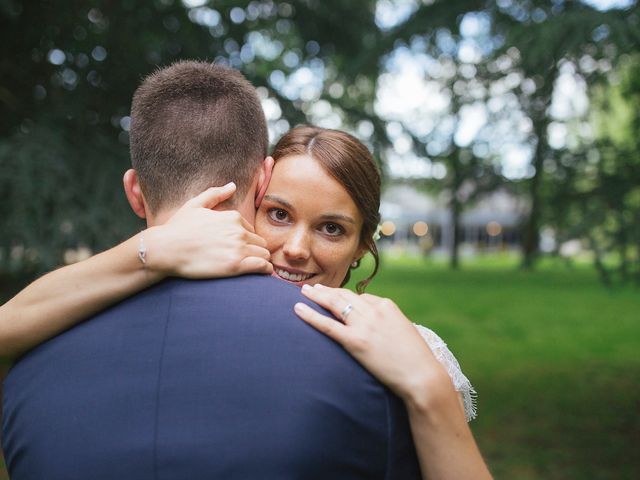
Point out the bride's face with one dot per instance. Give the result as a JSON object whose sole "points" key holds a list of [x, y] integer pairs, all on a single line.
{"points": [[311, 224]]}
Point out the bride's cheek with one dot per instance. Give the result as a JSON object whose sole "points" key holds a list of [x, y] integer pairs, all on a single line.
{"points": [[269, 234], [334, 258]]}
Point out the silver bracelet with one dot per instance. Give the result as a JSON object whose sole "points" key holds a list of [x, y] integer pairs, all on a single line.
{"points": [[142, 250]]}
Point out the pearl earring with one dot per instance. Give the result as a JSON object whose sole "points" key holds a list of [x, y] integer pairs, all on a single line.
{"points": [[355, 264]]}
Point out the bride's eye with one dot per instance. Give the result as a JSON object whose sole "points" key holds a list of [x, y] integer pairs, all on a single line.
{"points": [[332, 229], [278, 215]]}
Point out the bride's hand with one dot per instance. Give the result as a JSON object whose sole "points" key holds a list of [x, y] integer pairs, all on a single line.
{"points": [[386, 343], [378, 335], [198, 242]]}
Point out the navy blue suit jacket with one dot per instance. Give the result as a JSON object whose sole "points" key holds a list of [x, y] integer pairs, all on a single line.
{"points": [[201, 379]]}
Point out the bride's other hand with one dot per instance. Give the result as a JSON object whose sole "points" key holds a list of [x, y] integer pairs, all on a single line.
{"points": [[377, 334], [199, 242]]}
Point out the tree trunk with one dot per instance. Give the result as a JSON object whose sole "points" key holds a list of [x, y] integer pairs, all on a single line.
{"points": [[636, 271], [455, 209], [604, 274], [623, 242], [531, 233], [530, 237]]}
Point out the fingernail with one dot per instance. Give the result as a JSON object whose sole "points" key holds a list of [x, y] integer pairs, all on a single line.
{"points": [[319, 285], [229, 185], [299, 307], [306, 287]]}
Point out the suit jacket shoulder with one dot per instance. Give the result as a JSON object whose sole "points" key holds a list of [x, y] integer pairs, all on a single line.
{"points": [[201, 379]]}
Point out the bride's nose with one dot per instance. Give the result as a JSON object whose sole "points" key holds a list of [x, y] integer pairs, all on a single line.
{"points": [[298, 245]]}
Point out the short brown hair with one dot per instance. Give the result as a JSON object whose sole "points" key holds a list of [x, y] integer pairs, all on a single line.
{"points": [[195, 125], [349, 161]]}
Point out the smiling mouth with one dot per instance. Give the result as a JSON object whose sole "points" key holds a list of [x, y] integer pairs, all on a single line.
{"points": [[291, 276]]}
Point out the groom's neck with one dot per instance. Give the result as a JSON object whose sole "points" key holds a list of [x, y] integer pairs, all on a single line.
{"points": [[161, 217]]}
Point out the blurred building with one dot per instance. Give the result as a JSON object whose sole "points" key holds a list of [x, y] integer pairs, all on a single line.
{"points": [[420, 222]]}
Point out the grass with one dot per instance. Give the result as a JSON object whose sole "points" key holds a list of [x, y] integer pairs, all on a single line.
{"points": [[552, 353]]}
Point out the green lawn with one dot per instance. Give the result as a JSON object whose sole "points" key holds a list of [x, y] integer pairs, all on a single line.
{"points": [[554, 355], [555, 358]]}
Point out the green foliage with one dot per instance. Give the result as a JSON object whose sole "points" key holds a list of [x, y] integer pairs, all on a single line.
{"points": [[541, 36], [68, 71], [58, 195], [598, 185]]}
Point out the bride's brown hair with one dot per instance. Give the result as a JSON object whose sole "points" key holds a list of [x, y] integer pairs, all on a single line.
{"points": [[348, 160]]}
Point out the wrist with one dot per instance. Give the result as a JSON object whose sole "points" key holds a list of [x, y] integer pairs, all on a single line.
{"points": [[430, 393], [149, 253]]}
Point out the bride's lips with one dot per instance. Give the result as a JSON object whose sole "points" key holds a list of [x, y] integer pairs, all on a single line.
{"points": [[291, 275]]}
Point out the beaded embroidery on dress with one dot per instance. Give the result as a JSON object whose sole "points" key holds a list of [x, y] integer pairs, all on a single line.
{"points": [[446, 358]]}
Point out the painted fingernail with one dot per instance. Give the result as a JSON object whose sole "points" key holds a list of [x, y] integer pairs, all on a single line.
{"points": [[306, 287]]}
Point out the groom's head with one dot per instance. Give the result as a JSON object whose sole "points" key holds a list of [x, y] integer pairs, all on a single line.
{"points": [[194, 125]]}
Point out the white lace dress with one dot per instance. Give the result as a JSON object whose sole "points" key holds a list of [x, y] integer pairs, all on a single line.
{"points": [[446, 358]]}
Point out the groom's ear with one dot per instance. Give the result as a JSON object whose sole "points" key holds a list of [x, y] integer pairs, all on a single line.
{"points": [[264, 177], [134, 193]]}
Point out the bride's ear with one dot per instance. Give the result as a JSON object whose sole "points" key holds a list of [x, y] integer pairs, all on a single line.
{"points": [[134, 193], [360, 253], [264, 177]]}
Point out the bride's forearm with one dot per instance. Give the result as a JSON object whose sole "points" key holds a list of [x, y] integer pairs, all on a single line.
{"points": [[444, 443], [64, 297]]}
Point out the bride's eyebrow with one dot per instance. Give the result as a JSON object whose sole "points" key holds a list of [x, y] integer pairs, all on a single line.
{"points": [[279, 200], [337, 217]]}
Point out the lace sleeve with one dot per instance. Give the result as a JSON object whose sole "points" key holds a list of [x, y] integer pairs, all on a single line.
{"points": [[446, 358]]}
